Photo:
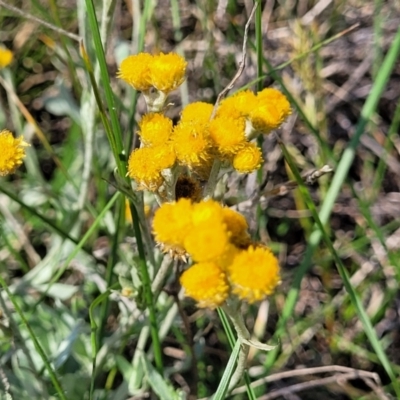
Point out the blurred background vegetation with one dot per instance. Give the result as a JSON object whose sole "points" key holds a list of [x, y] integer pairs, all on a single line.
{"points": [[68, 254]]}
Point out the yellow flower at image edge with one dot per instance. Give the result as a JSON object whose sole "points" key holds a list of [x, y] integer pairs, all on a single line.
{"points": [[6, 56], [206, 283], [11, 152], [254, 274]]}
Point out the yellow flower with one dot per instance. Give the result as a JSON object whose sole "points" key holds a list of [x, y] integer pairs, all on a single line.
{"points": [[247, 159], [254, 274], [209, 238], [197, 112], [191, 144], [6, 56], [172, 222], [271, 110], [228, 134], [206, 283], [238, 105], [237, 227], [167, 71], [209, 211], [145, 165], [11, 152], [135, 70], [207, 242], [155, 129]]}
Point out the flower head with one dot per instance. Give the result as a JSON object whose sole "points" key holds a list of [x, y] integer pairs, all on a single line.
{"points": [[207, 242], [135, 70], [237, 227], [155, 129], [206, 283], [239, 105], [172, 222], [197, 112], [254, 274], [228, 134], [12, 152], [209, 238], [167, 71], [191, 144], [146, 164], [6, 56], [247, 159], [271, 110]]}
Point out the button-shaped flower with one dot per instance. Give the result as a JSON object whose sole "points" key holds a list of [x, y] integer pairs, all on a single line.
{"points": [[197, 112], [206, 283], [6, 56], [239, 105], [12, 152], [173, 222], [272, 109], [135, 70], [155, 129], [247, 159], [228, 134], [191, 144], [254, 274], [146, 164], [167, 71]]}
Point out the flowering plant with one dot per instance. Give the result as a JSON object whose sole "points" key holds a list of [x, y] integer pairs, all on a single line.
{"points": [[180, 164]]}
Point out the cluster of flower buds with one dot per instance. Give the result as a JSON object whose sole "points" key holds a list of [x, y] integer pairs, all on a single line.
{"points": [[175, 162]]}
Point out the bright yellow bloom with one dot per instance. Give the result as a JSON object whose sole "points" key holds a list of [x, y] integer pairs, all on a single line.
{"points": [[11, 152], [155, 129], [228, 134], [191, 144], [197, 112], [167, 71], [237, 227], [272, 109], [6, 56], [207, 242], [239, 105], [206, 283], [209, 211], [135, 70], [209, 238], [247, 159], [172, 222], [254, 274], [145, 165]]}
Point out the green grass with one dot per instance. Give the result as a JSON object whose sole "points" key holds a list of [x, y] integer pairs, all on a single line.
{"points": [[70, 328]]}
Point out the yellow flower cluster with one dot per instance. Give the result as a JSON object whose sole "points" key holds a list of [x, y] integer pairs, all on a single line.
{"points": [[164, 72], [12, 152], [200, 137], [227, 263]]}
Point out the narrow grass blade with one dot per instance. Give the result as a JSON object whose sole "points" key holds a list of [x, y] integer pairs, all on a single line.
{"points": [[229, 370]]}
